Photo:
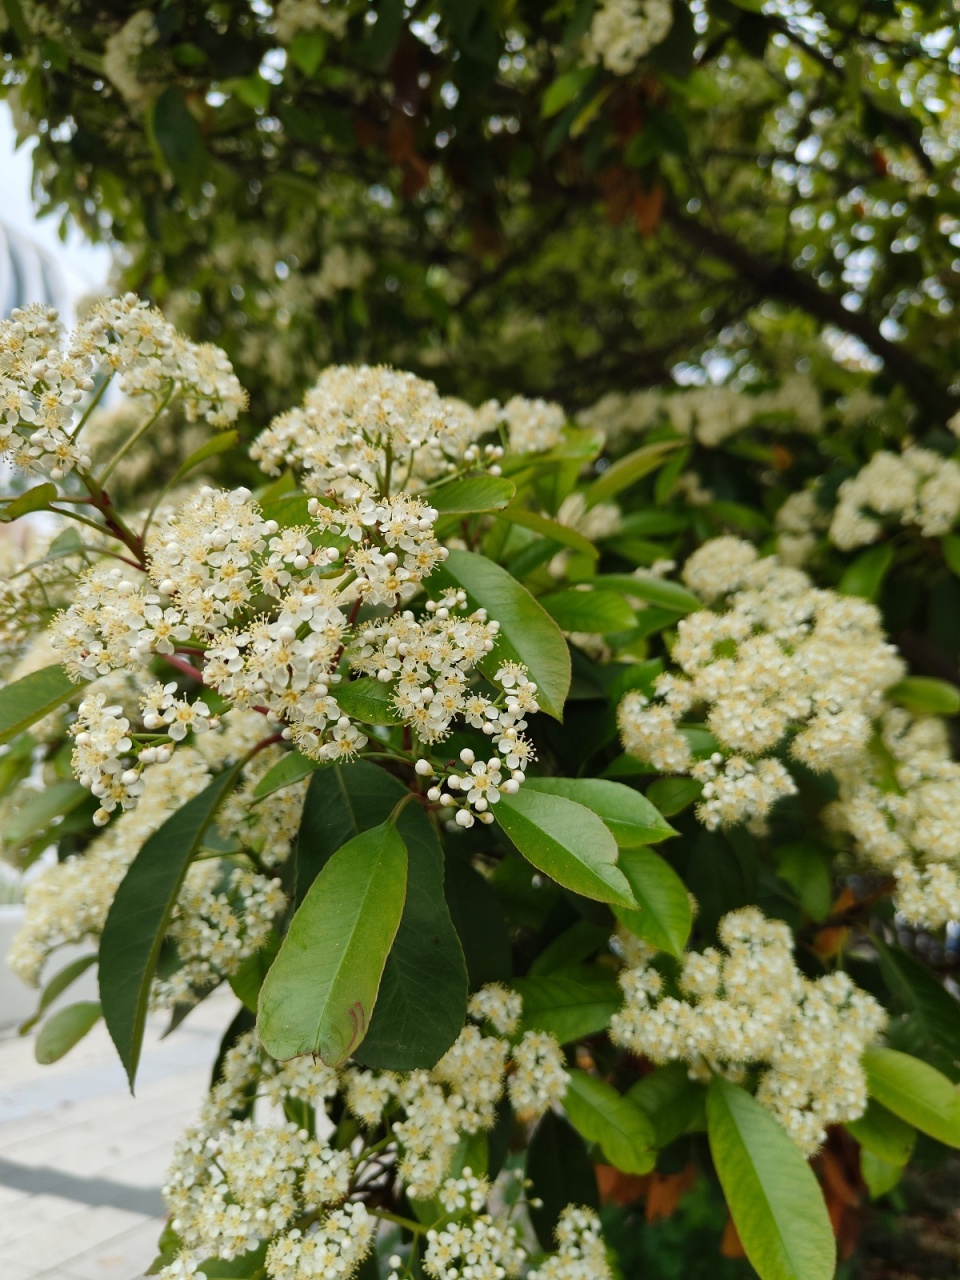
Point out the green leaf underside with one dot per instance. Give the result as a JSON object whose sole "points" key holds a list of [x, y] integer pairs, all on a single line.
{"points": [[422, 1002], [527, 632], [914, 1091], [630, 816], [570, 1003], [140, 913], [472, 494], [368, 700], [664, 917], [63, 1029], [32, 697], [603, 611], [773, 1196], [566, 841], [602, 1115], [323, 985]]}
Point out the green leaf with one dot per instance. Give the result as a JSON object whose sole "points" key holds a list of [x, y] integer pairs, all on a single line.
{"points": [[307, 49], [248, 1266], [177, 140], [569, 1003], [137, 921], [564, 89], [602, 611], [479, 921], [40, 808], [36, 499], [566, 841], [550, 529], [323, 985], [472, 494], [602, 1115], [914, 1091], [923, 695], [290, 768], [806, 867], [629, 469], [673, 795], [631, 817], [249, 977], [950, 546], [59, 983], [580, 942], [664, 916], [920, 992], [367, 700], [864, 577], [527, 632], [884, 1134], [422, 1002], [673, 1103], [773, 1196], [63, 1029], [220, 443], [32, 697], [879, 1175], [656, 591], [561, 1173]]}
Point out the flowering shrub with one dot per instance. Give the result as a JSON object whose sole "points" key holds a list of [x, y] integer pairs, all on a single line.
{"points": [[385, 739]]}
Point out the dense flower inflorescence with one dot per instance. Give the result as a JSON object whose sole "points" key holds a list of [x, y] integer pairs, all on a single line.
{"points": [[917, 487], [624, 31], [44, 379], [747, 1007], [777, 664]]}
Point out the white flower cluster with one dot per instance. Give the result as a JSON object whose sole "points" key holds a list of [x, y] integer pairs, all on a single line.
{"points": [[917, 487], [624, 31], [776, 664], [43, 383], [901, 805], [365, 427], [293, 16], [749, 1006], [237, 1182], [224, 911], [532, 426], [122, 51], [798, 522], [710, 414]]}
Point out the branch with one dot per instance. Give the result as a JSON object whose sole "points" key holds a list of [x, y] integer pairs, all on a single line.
{"points": [[784, 284]]}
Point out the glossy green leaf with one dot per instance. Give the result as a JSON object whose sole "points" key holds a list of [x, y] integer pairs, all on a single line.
{"points": [[564, 89], [290, 768], [423, 993], [580, 942], [886, 1135], [663, 916], [222, 442], [472, 494], [24, 701], [879, 1175], [177, 140], [561, 1173], [619, 1127], [673, 795], [659, 592], [570, 1003], [367, 700], [323, 985], [673, 1103], [63, 1029], [914, 1091], [527, 632], [774, 1199], [246, 982], [140, 913], [925, 695], [864, 577], [631, 817], [59, 983], [921, 994], [628, 470], [248, 1266], [567, 841], [36, 499], [553, 530], [602, 611]]}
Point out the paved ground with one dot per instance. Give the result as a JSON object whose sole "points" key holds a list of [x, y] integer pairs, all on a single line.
{"points": [[81, 1162]]}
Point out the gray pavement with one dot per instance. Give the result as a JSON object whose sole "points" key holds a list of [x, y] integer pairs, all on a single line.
{"points": [[81, 1161]]}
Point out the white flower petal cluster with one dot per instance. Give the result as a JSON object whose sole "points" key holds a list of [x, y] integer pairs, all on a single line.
{"points": [[915, 488], [483, 1249], [540, 1079], [581, 1254], [373, 427], [531, 426], [43, 382], [777, 665], [901, 805], [623, 32], [122, 51], [290, 17], [749, 1006], [798, 522]]}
